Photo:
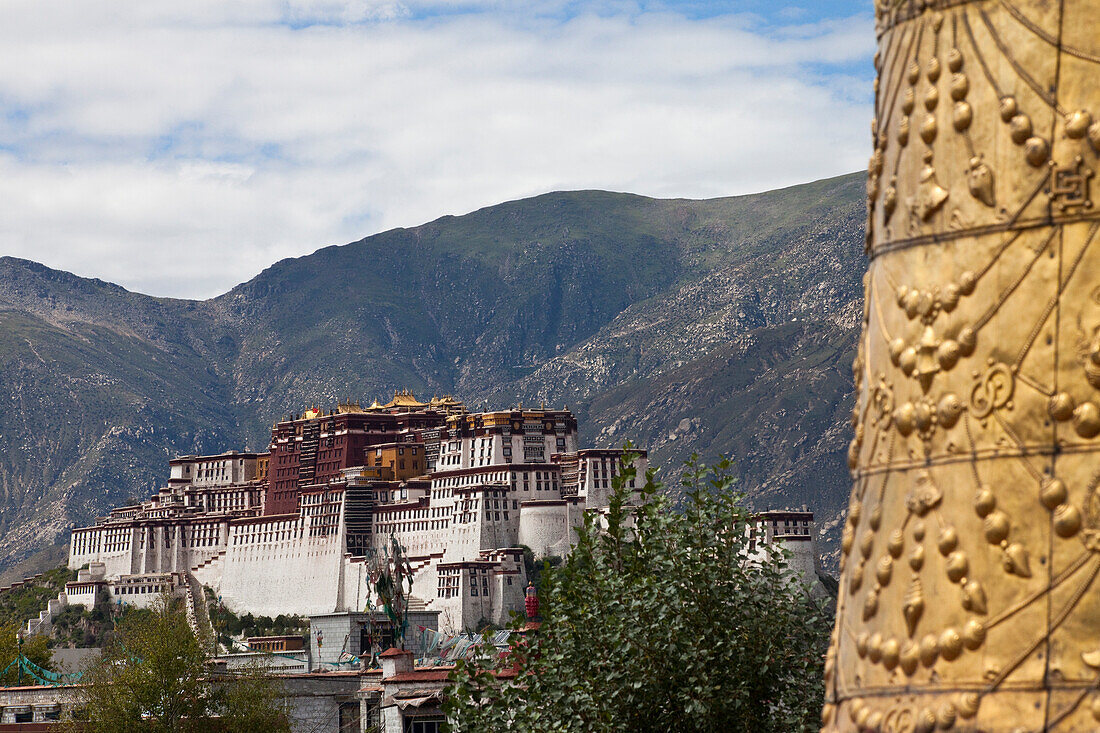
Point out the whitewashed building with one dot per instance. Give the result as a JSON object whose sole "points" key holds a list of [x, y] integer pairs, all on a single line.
{"points": [[501, 480], [297, 529]]}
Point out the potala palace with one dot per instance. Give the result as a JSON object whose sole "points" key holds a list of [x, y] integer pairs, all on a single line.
{"points": [[292, 530]]}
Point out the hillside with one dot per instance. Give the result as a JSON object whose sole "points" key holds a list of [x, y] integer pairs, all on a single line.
{"points": [[717, 326]]}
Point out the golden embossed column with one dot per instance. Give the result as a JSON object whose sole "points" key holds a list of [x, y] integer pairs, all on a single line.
{"points": [[969, 598]]}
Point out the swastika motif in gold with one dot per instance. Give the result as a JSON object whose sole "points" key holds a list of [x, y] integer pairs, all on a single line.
{"points": [[969, 597]]}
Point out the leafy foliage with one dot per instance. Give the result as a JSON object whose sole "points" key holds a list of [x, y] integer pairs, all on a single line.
{"points": [[154, 677], [534, 568], [248, 625], [659, 620], [19, 605], [229, 625], [250, 701], [73, 626], [35, 648], [80, 627]]}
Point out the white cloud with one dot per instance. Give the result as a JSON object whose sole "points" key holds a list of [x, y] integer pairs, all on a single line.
{"points": [[179, 148]]}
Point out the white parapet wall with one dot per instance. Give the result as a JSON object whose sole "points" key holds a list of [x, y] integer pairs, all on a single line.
{"points": [[544, 527], [272, 569]]}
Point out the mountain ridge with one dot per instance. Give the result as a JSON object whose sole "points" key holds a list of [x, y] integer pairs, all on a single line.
{"points": [[695, 314]]}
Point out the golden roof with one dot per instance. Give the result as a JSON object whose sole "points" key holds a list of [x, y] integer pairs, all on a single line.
{"points": [[404, 398], [349, 406], [447, 404]]}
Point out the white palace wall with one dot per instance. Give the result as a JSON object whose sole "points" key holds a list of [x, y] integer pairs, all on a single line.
{"points": [[298, 564], [291, 576], [461, 536], [293, 564], [803, 562], [480, 534], [543, 526], [267, 565], [166, 547]]}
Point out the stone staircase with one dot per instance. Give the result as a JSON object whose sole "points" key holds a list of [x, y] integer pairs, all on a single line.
{"points": [[44, 622], [209, 561], [419, 564], [198, 616]]}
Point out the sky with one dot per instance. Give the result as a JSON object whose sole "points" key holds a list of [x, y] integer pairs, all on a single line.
{"points": [[179, 148]]}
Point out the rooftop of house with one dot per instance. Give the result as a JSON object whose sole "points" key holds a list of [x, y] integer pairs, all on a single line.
{"points": [[227, 455], [434, 674]]}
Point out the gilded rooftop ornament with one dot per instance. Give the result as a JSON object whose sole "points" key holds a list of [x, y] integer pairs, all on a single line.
{"points": [[969, 597]]}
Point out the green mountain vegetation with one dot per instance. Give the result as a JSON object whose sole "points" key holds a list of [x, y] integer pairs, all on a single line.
{"points": [[20, 603], [717, 326]]}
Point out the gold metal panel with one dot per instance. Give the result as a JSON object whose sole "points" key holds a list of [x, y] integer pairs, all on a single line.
{"points": [[969, 597]]}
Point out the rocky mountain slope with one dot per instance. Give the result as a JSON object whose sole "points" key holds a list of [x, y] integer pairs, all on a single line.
{"points": [[718, 326]]}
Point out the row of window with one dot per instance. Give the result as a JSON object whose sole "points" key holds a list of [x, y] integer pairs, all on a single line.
{"points": [[391, 527], [260, 533], [448, 584], [28, 716], [126, 590], [234, 500], [476, 479], [110, 540], [324, 497], [116, 540]]}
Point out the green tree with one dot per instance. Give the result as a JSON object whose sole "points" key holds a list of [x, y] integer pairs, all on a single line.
{"points": [[533, 568], [35, 648], [154, 677], [249, 701], [662, 618]]}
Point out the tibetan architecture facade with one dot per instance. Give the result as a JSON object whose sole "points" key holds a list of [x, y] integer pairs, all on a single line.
{"points": [[299, 529], [295, 529]]}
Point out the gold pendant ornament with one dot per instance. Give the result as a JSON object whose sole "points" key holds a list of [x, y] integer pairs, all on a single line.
{"points": [[969, 592]]}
